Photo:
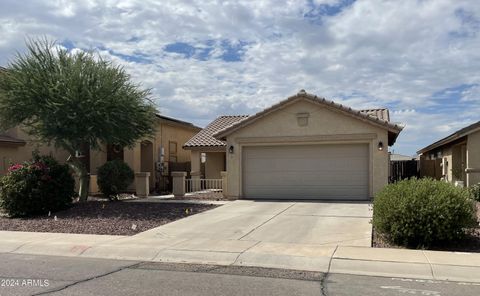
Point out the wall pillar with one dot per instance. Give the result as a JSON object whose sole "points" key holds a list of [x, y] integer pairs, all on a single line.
{"points": [[179, 183], [196, 176], [195, 161], [224, 183], [142, 184], [93, 185]]}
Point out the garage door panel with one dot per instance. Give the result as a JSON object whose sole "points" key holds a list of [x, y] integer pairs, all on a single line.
{"points": [[300, 178], [306, 164], [311, 192], [306, 171]]}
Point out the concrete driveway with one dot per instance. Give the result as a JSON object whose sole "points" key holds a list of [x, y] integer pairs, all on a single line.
{"points": [[318, 223]]}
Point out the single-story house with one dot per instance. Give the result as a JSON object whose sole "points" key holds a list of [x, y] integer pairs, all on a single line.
{"points": [[151, 155], [458, 155], [304, 147]]}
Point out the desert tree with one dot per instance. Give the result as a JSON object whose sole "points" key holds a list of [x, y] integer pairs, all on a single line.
{"points": [[75, 100]]}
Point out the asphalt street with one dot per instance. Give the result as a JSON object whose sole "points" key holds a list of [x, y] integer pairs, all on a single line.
{"points": [[52, 275]]}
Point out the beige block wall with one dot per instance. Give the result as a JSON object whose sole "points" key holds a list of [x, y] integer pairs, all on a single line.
{"points": [[214, 165], [473, 157], [322, 121]]}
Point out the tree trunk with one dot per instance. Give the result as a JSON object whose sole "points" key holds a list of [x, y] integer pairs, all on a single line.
{"points": [[84, 182], [83, 177]]}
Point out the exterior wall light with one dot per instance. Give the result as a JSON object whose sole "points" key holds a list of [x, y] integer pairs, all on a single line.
{"points": [[380, 146], [230, 149]]}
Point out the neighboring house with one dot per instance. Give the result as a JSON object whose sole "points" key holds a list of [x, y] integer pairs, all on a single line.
{"points": [[304, 147], [17, 147], [458, 155], [400, 157], [149, 155]]}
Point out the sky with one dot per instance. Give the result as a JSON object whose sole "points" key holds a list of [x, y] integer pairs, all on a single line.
{"points": [[203, 58]]}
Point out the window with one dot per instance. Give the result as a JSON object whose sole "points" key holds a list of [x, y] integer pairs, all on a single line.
{"points": [[172, 151]]}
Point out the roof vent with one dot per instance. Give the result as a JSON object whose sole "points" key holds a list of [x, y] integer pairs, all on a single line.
{"points": [[302, 118]]}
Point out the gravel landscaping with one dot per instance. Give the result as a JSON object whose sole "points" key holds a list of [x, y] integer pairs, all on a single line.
{"points": [[208, 195], [470, 244], [112, 218]]}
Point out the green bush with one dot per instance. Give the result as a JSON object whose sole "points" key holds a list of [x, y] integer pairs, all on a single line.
{"points": [[476, 192], [36, 187], [423, 212], [114, 177]]}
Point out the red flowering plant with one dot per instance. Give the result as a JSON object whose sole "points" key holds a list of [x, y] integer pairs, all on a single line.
{"points": [[15, 167], [36, 187]]}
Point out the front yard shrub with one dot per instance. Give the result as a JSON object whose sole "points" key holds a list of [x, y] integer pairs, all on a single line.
{"points": [[114, 177], [36, 187], [476, 192], [423, 212]]}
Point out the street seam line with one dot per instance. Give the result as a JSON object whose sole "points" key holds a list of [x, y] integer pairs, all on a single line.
{"points": [[87, 279], [265, 222]]}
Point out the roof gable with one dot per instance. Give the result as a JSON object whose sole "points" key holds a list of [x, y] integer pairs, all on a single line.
{"points": [[377, 117]]}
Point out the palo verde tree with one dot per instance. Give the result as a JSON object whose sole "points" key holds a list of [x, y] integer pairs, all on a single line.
{"points": [[73, 100]]}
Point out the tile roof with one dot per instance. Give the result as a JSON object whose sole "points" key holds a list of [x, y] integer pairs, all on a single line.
{"points": [[208, 137], [382, 113], [393, 129], [205, 137]]}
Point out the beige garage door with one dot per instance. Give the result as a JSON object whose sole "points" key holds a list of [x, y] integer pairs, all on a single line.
{"points": [[329, 172]]}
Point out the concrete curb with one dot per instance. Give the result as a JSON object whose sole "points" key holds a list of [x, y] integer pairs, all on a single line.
{"points": [[183, 201], [434, 265]]}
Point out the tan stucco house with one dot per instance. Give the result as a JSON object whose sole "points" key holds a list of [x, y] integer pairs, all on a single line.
{"points": [[17, 147], [458, 155], [304, 147], [151, 155]]}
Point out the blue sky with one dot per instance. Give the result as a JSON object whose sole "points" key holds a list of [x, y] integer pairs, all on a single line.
{"points": [[207, 58]]}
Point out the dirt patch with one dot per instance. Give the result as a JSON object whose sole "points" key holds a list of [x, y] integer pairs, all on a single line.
{"points": [[471, 243], [112, 218]]}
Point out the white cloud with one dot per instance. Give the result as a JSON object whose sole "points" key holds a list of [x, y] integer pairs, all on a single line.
{"points": [[394, 54]]}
